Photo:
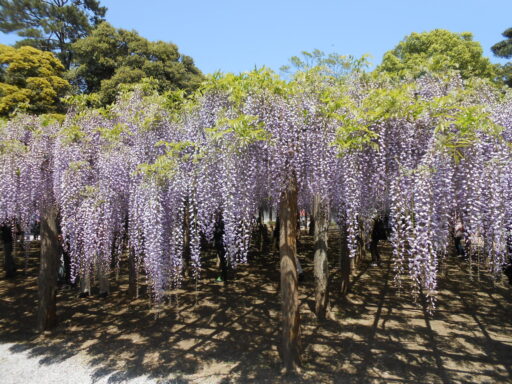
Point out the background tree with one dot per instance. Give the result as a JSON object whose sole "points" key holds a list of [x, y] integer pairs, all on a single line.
{"points": [[30, 80], [51, 25], [330, 65], [109, 57], [504, 73], [504, 49], [438, 50]]}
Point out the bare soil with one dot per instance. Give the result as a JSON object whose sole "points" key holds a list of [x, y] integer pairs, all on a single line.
{"points": [[211, 332]]}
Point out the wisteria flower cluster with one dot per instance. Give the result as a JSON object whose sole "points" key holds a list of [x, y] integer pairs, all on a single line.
{"points": [[153, 175]]}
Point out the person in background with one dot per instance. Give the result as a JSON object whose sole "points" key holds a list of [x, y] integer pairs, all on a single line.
{"points": [[459, 237], [379, 232], [218, 240]]}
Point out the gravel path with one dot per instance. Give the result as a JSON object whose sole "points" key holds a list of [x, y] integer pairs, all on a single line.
{"points": [[218, 333], [20, 367]]}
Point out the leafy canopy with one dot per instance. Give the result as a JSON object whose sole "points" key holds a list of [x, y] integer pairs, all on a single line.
{"points": [[51, 25], [504, 47], [332, 65], [437, 51], [109, 57], [30, 80]]}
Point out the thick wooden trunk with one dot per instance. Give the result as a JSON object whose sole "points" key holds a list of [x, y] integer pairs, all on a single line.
{"points": [[321, 264], [345, 261], [103, 279], [133, 287], [47, 282], [259, 233], [276, 234], [289, 278], [7, 244], [187, 272], [85, 284], [363, 251]]}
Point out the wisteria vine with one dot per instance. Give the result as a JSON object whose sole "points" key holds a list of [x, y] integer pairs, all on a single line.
{"points": [[148, 173]]}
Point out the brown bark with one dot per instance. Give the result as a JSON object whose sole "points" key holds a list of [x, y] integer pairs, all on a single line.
{"points": [[261, 229], [321, 265], [275, 235], [103, 279], [47, 282], [20, 250], [345, 261], [85, 284], [289, 278], [186, 242], [363, 251], [133, 287]]}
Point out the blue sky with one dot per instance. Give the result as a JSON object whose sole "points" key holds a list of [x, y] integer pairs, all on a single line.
{"points": [[236, 36]]}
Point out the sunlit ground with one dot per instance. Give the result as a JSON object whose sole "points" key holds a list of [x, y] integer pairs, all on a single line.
{"points": [[216, 333]]}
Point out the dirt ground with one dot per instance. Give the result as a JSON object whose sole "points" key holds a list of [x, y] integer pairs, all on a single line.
{"points": [[216, 333]]}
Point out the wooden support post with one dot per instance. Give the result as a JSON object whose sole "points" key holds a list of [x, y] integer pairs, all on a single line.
{"points": [[289, 278]]}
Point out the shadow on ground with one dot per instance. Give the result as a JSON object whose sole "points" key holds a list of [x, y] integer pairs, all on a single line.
{"points": [[229, 333]]}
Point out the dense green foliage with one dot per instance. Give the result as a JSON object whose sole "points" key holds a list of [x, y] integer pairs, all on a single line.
{"points": [[437, 51], [504, 47], [504, 73], [30, 80], [109, 57], [331, 65], [51, 25]]}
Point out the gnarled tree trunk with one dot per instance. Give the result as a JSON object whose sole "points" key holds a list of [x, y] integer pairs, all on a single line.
{"points": [[103, 279], [345, 263], [261, 229], [289, 278], [187, 272], [47, 282], [321, 264], [133, 286]]}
